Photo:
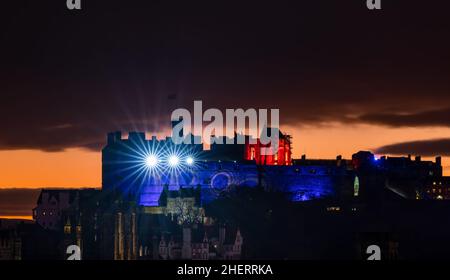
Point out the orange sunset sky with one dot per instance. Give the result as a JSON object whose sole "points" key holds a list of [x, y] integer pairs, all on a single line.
{"points": [[76, 167]]}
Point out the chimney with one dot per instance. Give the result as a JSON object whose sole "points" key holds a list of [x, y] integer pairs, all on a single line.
{"points": [[439, 161], [418, 158], [303, 157], [338, 160]]}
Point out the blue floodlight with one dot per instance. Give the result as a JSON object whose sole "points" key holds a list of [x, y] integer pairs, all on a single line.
{"points": [[189, 160], [173, 161], [151, 161]]}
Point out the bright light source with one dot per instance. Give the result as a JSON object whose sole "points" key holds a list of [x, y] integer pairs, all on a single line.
{"points": [[189, 160], [173, 161], [151, 161]]}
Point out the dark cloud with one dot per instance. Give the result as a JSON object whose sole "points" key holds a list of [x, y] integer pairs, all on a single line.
{"points": [[69, 77], [18, 202], [427, 118], [432, 147]]}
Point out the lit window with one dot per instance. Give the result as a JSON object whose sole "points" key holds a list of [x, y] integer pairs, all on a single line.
{"points": [[356, 186], [67, 229]]}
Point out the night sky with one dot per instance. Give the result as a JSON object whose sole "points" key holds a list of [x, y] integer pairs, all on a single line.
{"points": [[344, 77]]}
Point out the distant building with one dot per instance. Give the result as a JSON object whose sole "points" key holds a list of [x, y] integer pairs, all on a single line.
{"points": [[24, 240], [81, 222], [438, 189], [10, 244], [51, 204], [201, 244], [408, 178]]}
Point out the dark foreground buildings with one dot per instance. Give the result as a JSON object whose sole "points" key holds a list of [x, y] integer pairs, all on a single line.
{"points": [[165, 201]]}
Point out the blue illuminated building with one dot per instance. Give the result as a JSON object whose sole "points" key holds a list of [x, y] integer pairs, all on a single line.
{"points": [[302, 183], [140, 168]]}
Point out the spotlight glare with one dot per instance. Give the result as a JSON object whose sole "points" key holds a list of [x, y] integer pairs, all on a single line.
{"points": [[173, 161], [189, 160], [151, 161]]}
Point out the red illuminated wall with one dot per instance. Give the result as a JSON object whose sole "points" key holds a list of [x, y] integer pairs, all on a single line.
{"points": [[282, 157]]}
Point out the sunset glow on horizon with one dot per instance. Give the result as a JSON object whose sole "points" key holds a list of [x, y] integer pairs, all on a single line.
{"points": [[28, 218], [77, 168]]}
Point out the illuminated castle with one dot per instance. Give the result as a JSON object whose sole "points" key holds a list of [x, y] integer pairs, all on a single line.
{"points": [[141, 168]]}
